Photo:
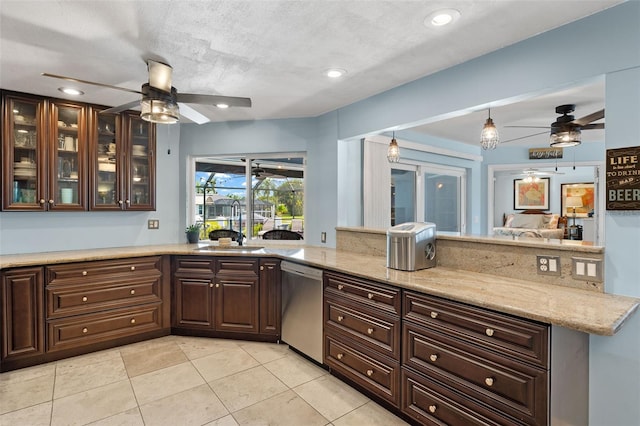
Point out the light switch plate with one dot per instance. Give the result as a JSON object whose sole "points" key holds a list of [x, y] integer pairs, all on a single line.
{"points": [[153, 224], [587, 269]]}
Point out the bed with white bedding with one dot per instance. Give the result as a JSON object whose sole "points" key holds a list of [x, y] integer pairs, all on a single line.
{"points": [[532, 224]]}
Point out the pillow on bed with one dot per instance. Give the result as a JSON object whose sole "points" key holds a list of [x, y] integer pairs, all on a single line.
{"points": [[551, 221], [509, 220], [534, 221]]}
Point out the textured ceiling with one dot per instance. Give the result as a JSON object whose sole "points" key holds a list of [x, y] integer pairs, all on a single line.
{"points": [[271, 50]]}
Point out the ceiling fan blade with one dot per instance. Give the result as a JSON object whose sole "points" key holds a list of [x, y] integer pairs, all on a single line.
{"points": [[121, 108], [160, 75], [192, 114], [524, 137], [232, 101], [93, 83], [529, 127], [589, 118], [592, 126]]}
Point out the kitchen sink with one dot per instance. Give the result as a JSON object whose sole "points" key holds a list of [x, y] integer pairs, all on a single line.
{"points": [[235, 249]]}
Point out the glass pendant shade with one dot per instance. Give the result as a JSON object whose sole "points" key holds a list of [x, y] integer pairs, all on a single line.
{"points": [[489, 137], [159, 111], [563, 139], [393, 153]]}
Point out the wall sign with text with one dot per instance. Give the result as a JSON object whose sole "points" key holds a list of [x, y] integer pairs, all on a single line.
{"points": [[623, 178], [544, 153]]}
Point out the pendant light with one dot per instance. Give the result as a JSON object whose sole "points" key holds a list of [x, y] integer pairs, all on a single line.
{"points": [[393, 153], [489, 137]]}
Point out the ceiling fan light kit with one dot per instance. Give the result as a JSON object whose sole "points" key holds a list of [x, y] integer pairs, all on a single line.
{"points": [[489, 137]]}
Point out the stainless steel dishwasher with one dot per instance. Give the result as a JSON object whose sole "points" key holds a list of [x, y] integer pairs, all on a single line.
{"points": [[302, 309]]}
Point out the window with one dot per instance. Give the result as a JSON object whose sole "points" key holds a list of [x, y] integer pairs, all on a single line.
{"points": [[273, 186]]}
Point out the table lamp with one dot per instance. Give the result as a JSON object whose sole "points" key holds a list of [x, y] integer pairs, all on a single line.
{"points": [[574, 202]]}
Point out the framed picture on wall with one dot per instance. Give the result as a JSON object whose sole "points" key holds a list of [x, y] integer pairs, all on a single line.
{"points": [[531, 194], [580, 196]]}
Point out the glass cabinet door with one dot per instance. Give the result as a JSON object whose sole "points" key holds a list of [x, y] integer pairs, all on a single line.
{"points": [[24, 159], [67, 176], [140, 176], [106, 158]]}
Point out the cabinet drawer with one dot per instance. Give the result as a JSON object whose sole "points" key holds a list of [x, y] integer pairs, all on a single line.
{"points": [[86, 329], [510, 386], [381, 296], [81, 299], [237, 265], [522, 339], [375, 329], [102, 270], [194, 264], [367, 368], [432, 404]]}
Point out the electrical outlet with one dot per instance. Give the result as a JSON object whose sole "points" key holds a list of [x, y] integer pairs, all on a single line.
{"points": [[547, 265], [153, 224], [323, 237], [584, 268]]}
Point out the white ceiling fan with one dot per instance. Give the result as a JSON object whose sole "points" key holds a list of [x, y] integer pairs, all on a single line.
{"points": [[159, 103], [534, 175]]}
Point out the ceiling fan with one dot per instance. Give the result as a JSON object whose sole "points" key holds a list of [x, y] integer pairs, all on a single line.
{"points": [[261, 174], [159, 103], [566, 130], [536, 172]]}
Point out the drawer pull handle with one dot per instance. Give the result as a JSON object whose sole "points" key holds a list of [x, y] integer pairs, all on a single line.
{"points": [[434, 315], [370, 295], [84, 330], [84, 273], [340, 318], [489, 381], [133, 320], [84, 298], [432, 408], [210, 284], [369, 373], [340, 286], [217, 285], [433, 357], [339, 356], [132, 292], [489, 332], [369, 330], [133, 268]]}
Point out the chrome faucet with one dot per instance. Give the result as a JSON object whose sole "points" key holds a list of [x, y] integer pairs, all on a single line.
{"points": [[239, 220]]}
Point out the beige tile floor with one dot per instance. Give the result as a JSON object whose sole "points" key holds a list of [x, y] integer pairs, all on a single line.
{"points": [[179, 380]]}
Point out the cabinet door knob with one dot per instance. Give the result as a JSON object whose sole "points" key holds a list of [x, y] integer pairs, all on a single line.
{"points": [[84, 298], [84, 273], [133, 320], [211, 285], [369, 373], [84, 330], [42, 201], [262, 268], [132, 292], [120, 202], [432, 408], [51, 202], [489, 332], [133, 268], [217, 285], [340, 286], [370, 295], [369, 330], [434, 314], [489, 381], [340, 318], [127, 201], [339, 356], [433, 357]]}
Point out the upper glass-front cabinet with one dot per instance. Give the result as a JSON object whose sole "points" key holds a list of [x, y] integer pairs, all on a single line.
{"points": [[140, 173]]}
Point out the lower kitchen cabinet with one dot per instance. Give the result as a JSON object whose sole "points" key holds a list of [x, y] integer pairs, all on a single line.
{"points": [[232, 296], [67, 309], [22, 314]]}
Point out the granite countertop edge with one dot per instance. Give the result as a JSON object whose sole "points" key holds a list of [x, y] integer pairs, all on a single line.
{"points": [[582, 310]]}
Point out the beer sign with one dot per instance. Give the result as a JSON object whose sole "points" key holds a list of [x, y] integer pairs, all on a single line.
{"points": [[623, 179]]}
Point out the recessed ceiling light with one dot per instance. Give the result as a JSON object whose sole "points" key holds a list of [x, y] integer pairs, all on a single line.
{"points": [[335, 72], [71, 91], [442, 17], [222, 106]]}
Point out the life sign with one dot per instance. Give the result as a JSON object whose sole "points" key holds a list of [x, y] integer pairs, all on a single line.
{"points": [[623, 179]]}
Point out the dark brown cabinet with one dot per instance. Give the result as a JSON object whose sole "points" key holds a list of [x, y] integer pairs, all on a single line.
{"points": [[362, 334], [61, 155], [270, 297], [22, 314]]}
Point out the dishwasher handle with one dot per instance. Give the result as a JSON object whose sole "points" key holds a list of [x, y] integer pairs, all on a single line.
{"points": [[301, 270]]}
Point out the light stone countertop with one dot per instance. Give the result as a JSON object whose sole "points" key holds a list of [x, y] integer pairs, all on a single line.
{"points": [[586, 311]]}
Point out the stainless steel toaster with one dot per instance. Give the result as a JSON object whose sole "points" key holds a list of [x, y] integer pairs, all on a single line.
{"points": [[411, 246]]}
